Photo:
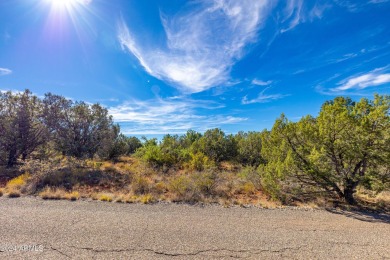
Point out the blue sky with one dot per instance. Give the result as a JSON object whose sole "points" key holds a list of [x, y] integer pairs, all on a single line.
{"points": [[169, 66]]}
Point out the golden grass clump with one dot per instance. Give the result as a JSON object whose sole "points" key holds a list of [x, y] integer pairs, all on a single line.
{"points": [[51, 194], [248, 188], [105, 197], [160, 187], [146, 199], [18, 182], [58, 194], [131, 198], [74, 195], [140, 184]]}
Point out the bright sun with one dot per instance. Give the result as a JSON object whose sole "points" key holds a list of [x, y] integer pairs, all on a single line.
{"points": [[67, 4]]}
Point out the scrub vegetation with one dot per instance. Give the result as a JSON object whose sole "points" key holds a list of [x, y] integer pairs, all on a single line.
{"points": [[59, 149]]}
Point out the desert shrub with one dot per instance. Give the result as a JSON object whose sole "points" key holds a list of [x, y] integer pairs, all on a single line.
{"points": [[140, 184], [189, 138], [21, 126], [247, 188], [271, 181], [249, 148], [151, 153], [160, 187], [182, 187], [315, 150], [199, 162], [205, 182], [249, 173], [133, 143], [114, 148], [166, 155], [170, 148], [216, 145], [18, 182], [68, 172], [377, 180], [79, 129]]}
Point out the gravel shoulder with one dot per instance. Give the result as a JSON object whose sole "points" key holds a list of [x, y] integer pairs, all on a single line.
{"points": [[37, 229]]}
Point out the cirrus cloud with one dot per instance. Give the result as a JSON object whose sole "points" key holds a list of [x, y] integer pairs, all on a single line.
{"points": [[362, 81], [262, 98], [4, 71], [171, 115], [202, 45]]}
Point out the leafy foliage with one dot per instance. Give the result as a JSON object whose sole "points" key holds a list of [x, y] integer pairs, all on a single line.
{"points": [[21, 127], [347, 146], [335, 152]]}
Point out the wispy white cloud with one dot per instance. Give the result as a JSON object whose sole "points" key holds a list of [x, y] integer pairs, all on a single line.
{"points": [[172, 115], [357, 82], [202, 45], [378, 1], [259, 82], [297, 11], [356, 6], [292, 14], [262, 98], [4, 71]]}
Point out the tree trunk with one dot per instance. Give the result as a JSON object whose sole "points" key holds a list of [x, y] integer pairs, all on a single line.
{"points": [[12, 158], [348, 196], [349, 190]]}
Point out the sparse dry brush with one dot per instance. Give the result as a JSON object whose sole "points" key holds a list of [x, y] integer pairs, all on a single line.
{"points": [[60, 149]]}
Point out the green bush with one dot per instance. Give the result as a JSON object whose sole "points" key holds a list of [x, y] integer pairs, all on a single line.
{"points": [[205, 182], [249, 173], [199, 162], [183, 187]]}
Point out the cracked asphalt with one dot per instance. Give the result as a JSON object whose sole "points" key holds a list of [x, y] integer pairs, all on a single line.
{"points": [[32, 228]]}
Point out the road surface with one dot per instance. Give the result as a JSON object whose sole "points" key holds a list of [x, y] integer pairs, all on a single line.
{"points": [[32, 228]]}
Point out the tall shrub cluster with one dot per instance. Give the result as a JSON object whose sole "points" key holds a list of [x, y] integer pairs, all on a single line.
{"points": [[197, 151], [29, 124], [346, 145]]}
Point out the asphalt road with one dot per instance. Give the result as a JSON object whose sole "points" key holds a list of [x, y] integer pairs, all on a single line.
{"points": [[31, 228]]}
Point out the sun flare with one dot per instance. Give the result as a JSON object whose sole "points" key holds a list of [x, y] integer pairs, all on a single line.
{"points": [[69, 5]]}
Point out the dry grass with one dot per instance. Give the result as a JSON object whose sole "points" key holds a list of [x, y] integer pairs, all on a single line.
{"points": [[146, 199], [14, 186], [129, 180], [58, 194], [372, 197], [247, 188], [18, 182], [383, 196], [105, 197], [74, 195], [131, 198], [52, 194]]}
